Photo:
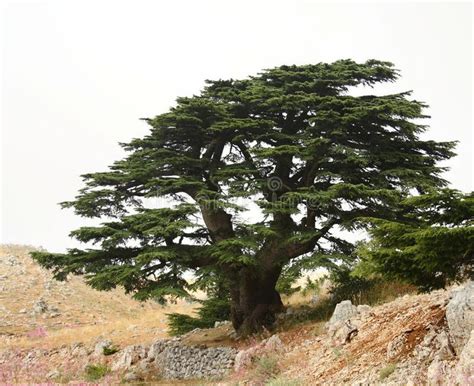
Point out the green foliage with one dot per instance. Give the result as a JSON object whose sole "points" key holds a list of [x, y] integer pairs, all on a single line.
{"points": [[285, 283], [96, 372], [312, 158], [345, 286], [431, 244], [179, 324], [313, 286], [110, 350], [211, 311], [348, 281]]}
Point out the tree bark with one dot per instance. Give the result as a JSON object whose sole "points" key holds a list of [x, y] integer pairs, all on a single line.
{"points": [[254, 300]]}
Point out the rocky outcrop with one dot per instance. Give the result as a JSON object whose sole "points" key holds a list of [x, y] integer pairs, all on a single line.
{"points": [[245, 358], [460, 316], [344, 311], [129, 356], [101, 345], [345, 321]]}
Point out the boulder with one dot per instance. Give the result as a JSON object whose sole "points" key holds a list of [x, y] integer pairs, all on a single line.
{"points": [[342, 332], [100, 345], [129, 356], [131, 376], [273, 344], [345, 321], [344, 311], [460, 316], [53, 374], [244, 358]]}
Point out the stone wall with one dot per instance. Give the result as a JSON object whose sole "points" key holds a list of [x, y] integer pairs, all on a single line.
{"points": [[177, 361], [171, 359]]}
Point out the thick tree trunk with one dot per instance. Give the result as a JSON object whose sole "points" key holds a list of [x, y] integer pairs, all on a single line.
{"points": [[255, 301]]}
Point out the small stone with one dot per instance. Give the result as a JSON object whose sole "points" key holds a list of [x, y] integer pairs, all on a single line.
{"points": [[53, 374], [40, 306]]}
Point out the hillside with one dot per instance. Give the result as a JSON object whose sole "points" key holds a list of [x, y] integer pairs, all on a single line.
{"points": [[32, 303], [54, 332]]}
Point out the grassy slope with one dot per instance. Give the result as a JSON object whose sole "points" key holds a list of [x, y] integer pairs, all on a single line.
{"points": [[84, 314]]}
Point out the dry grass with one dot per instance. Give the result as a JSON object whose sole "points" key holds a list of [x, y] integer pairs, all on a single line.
{"points": [[145, 328], [85, 314]]}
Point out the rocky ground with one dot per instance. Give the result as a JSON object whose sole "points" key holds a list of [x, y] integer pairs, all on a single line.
{"points": [[415, 339]]}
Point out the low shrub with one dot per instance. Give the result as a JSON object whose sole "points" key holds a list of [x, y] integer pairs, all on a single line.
{"points": [[110, 350], [267, 367], [96, 372], [212, 310]]}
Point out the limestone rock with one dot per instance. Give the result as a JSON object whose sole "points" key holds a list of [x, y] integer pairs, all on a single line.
{"points": [[460, 316], [465, 367], [438, 372], [129, 356], [53, 374], [344, 310], [342, 332], [156, 349], [40, 306], [274, 344], [101, 345], [244, 358]]}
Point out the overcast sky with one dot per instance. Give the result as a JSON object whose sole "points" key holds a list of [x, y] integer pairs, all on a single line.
{"points": [[78, 75]]}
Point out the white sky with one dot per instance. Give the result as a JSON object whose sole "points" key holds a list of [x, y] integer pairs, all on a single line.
{"points": [[77, 75]]}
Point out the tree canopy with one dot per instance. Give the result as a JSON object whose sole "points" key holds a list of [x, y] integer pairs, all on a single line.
{"points": [[254, 176], [430, 245]]}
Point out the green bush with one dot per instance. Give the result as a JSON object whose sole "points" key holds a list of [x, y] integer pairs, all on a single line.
{"points": [[212, 310], [345, 286], [110, 350], [179, 324], [95, 372]]}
